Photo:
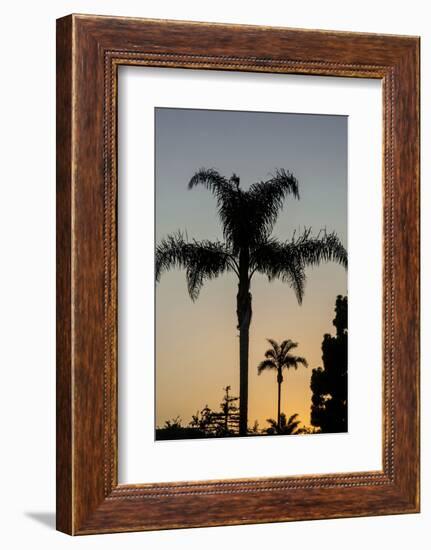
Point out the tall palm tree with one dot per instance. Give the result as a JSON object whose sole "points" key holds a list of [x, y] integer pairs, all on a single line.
{"points": [[279, 358], [284, 426], [247, 218]]}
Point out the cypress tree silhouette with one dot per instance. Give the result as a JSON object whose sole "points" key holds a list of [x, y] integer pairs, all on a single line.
{"points": [[247, 218], [329, 384]]}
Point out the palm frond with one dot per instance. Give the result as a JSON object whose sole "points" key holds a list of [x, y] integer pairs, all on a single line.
{"points": [[202, 260], [270, 354], [293, 361], [292, 418], [287, 426], [287, 260], [280, 261], [286, 346], [274, 344], [273, 423], [267, 199], [211, 180], [247, 217], [231, 203], [292, 424], [324, 247], [265, 365], [302, 360]]}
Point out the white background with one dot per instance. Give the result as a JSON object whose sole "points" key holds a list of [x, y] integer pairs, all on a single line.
{"points": [[141, 459], [27, 125]]}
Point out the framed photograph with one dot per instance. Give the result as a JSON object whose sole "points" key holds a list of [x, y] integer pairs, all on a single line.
{"points": [[237, 274]]}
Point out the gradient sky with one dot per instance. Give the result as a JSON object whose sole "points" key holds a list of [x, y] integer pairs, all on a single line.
{"points": [[197, 343]]}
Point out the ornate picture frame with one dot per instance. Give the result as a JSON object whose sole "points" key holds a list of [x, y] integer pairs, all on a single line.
{"points": [[89, 51]]}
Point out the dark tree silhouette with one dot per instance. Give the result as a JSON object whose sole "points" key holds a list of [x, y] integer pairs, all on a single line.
{"points": [[254, 429], [230, 413], [206, 422], [329, 384], [247, 218], [203, 420], [173, 429], [219, 424], [278, 358], [284, 426]]}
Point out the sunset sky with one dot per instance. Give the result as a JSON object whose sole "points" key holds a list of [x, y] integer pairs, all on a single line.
{"points": [[197, 342]]}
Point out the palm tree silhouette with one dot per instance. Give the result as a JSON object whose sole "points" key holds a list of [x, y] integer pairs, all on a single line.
{"points": [[247, 218], [284, 426], [279, 358]]}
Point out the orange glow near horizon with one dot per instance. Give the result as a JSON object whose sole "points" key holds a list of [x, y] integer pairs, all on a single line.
{"points": [[197, 344]]}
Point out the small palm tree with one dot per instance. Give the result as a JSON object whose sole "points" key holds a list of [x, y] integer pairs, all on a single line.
{"points": [[284, 426], [247, 219], [279, 358]]}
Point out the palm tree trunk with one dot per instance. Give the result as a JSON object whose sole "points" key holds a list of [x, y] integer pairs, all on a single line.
{"points": [[243, 310], [278, 410], [279, 382]]}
